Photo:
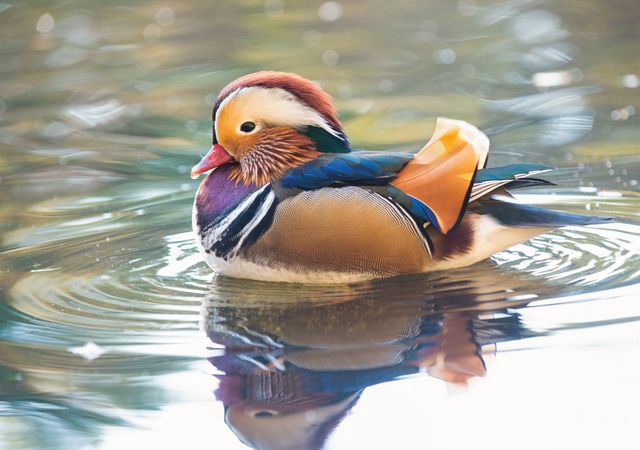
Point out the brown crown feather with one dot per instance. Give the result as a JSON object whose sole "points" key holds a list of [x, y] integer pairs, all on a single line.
{"points": [[306, 91]]}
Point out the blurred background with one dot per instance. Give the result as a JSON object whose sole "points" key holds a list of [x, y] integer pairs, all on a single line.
{"points": [[129, 79], [105, 106]]}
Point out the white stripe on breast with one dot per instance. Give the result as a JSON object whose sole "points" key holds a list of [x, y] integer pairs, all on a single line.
{"points": [[249, 227], [212, 235]]}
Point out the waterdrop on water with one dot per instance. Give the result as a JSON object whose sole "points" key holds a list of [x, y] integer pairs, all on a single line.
{"points": [[152, 32], [165, 16], [45, 23], [445, 56], [88, 351], [630, 81], [330, 11], [330, 57]]}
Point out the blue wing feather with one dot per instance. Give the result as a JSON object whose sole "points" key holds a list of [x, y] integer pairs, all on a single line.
{"points": [[371, 169], [360, 168], [374, 170], [509, 172], [513, 176], [415, 207], [519, 215]]}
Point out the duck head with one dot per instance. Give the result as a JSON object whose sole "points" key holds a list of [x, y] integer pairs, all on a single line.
{"points": [[268, 122]]}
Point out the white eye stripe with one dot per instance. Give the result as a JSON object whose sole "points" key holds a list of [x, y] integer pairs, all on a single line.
{"points": [[277, 107]]}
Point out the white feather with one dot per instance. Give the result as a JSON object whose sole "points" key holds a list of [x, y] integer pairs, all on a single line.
{"points": [[212, 235], [489, 237], [275, 107], [257, 218]]}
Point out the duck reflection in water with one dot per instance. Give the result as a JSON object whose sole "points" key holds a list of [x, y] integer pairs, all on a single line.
{"points": [[296, 360]]}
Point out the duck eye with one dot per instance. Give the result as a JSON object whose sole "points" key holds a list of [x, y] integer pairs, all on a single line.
{"points": [[247, 127]]}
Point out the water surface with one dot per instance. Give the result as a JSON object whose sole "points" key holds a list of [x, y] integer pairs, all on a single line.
{"points": [[114, 334]]}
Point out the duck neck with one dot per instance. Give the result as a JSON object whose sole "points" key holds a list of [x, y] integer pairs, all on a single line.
{"points": [[218, 193]]}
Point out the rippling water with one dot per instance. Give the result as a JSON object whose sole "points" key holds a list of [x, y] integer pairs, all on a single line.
{"points": [[114, 334]]}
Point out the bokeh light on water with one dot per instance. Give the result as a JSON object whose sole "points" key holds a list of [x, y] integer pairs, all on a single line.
{"points": [[114, 335]]}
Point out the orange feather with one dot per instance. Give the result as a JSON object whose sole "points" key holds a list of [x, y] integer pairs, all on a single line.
{"points": [[440, 175]]}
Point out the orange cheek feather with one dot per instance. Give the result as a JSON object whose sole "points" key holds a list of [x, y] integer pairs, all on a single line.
{"points": [[267, 154]]}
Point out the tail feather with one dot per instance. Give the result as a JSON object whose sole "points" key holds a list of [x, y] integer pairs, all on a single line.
{"points": [[519, 215], [448, 174], [528, 182], [513, 176]]}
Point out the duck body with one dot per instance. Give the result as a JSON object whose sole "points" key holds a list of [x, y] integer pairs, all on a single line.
{"points": [[321, 235], [323, 213], [349, 232]]}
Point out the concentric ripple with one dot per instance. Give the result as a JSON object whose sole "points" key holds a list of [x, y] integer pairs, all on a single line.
{"points": [[155, 293], [599, 256], [134, 298]]}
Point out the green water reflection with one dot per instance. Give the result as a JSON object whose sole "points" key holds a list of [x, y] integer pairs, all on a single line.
{"points": [[113, 333]]}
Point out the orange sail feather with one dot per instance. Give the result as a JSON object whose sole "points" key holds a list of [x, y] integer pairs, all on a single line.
{"points": [[440, 175]]}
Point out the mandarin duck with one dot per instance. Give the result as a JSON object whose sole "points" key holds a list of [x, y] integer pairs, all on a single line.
{"points": [[287, 199]]}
